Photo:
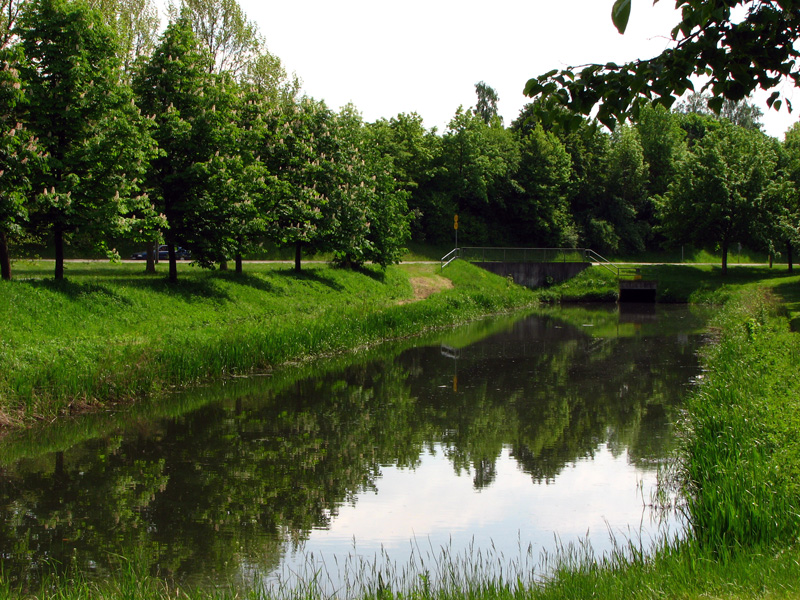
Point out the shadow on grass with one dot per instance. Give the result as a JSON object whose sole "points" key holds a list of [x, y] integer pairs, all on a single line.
{"points": [[678, 283], [73, 290], [790, 294], [187, 289], [248, 279], [375, 273], [309, 274]]}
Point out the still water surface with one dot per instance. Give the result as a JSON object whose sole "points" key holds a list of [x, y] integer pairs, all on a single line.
{"points": [[503, 436]]}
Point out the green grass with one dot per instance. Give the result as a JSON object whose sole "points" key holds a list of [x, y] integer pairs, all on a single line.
{"points": [[110, 332], [738, 469]]}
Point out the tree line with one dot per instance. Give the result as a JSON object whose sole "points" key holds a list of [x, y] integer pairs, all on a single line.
{"points": [[662, 179], [197, 137]]}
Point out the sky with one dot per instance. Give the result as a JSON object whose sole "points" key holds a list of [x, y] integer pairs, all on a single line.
{"points": [[426, 56]]}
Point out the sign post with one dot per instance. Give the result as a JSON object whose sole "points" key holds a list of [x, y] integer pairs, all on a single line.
{"points": [[455, 226]]}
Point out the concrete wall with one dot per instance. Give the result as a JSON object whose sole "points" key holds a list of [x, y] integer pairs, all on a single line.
{"points": [[534, 275]]}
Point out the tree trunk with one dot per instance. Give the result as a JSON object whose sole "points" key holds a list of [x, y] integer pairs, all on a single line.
{"points": [[5, 258], [789, 255], [238, 264], [298, 250], [223, 264], [59, 241], [152, 256], [173, 264]]}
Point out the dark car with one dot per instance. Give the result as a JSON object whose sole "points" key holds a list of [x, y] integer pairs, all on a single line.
{"points": [[163, 254]]}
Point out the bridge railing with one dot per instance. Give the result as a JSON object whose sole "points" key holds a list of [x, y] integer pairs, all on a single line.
{"points": [[538, 255]]}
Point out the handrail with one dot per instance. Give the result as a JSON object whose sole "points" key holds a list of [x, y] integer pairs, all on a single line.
{"points": [[545, 255], [450, 257], [594, 257]]}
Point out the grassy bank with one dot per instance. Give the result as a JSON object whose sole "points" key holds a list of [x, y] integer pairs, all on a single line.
{"points": [[110, 332], [738, 473], [738, 470]]}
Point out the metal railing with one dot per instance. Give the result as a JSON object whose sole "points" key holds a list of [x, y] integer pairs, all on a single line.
{"points": [[539, 255], [450, 257]]}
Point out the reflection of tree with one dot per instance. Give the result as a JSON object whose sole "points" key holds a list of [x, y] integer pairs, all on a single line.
{"points": [[234, 482]]}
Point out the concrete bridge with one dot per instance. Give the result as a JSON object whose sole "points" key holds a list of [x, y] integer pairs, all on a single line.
{"points": [[538, 267]]}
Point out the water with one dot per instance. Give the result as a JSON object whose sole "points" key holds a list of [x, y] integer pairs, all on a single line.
{"points": [[504, 438]]}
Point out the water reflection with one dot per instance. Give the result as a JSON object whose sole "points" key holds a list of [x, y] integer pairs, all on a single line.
{"points": [[464, 435]]}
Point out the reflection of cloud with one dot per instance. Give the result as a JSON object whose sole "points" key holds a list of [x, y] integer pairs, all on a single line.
{"points": [[433, 504]]}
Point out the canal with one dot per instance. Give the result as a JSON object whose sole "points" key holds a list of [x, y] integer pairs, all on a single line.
{"points": [[490, 445]]}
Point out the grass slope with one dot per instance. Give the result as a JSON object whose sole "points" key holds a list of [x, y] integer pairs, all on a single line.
{"points": [[110, 332]]}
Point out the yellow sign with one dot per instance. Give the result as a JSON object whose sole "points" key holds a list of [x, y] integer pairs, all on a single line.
{"points": [[455, 222]]}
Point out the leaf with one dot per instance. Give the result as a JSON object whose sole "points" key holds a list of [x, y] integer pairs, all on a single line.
{"points": [[771, 100], [620, 13], [532, 88], [715, 104]]}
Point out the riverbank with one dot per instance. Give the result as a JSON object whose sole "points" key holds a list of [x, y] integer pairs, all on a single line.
{"points": [[111, 333], [738, 469], [737, 472]]}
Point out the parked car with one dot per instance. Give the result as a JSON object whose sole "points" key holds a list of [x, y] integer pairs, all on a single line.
{"points": [[163, 254]]}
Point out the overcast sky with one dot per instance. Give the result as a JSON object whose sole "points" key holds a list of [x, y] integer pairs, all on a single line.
{"points": [[426, 56]]}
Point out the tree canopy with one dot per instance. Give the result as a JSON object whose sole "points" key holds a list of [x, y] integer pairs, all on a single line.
{"points": [[732, 57]]}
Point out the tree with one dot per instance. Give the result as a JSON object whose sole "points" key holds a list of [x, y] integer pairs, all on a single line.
{"points": [[222, 28], [733, 56], [17, 149], [209, 179], [366, 215], [229, 197], [136, 23], [295, 155], [663, 143], [788, 199], [627, 207], [477, 162], [718, 196], [415, 155], [174, 88], [587, 145], [96, 143], [742, 112], [540, 211], [10, 11], [486, 107]]}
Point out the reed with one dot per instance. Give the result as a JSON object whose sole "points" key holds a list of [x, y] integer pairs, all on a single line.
{"points": [[741, 451]]}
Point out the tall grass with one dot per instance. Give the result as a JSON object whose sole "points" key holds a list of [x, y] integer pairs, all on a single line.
{"points": [[113, 333], [742, 452]]}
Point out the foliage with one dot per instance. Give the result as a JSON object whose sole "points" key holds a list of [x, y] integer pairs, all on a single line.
{"points": [[486, 107], [292, 149], [540, 208], [97, 144], [627, 206], [663, 144], [733, 55], [719, 191], [176, 91], [17, 148], [224, 31], [477, 160], [136, 23]]}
